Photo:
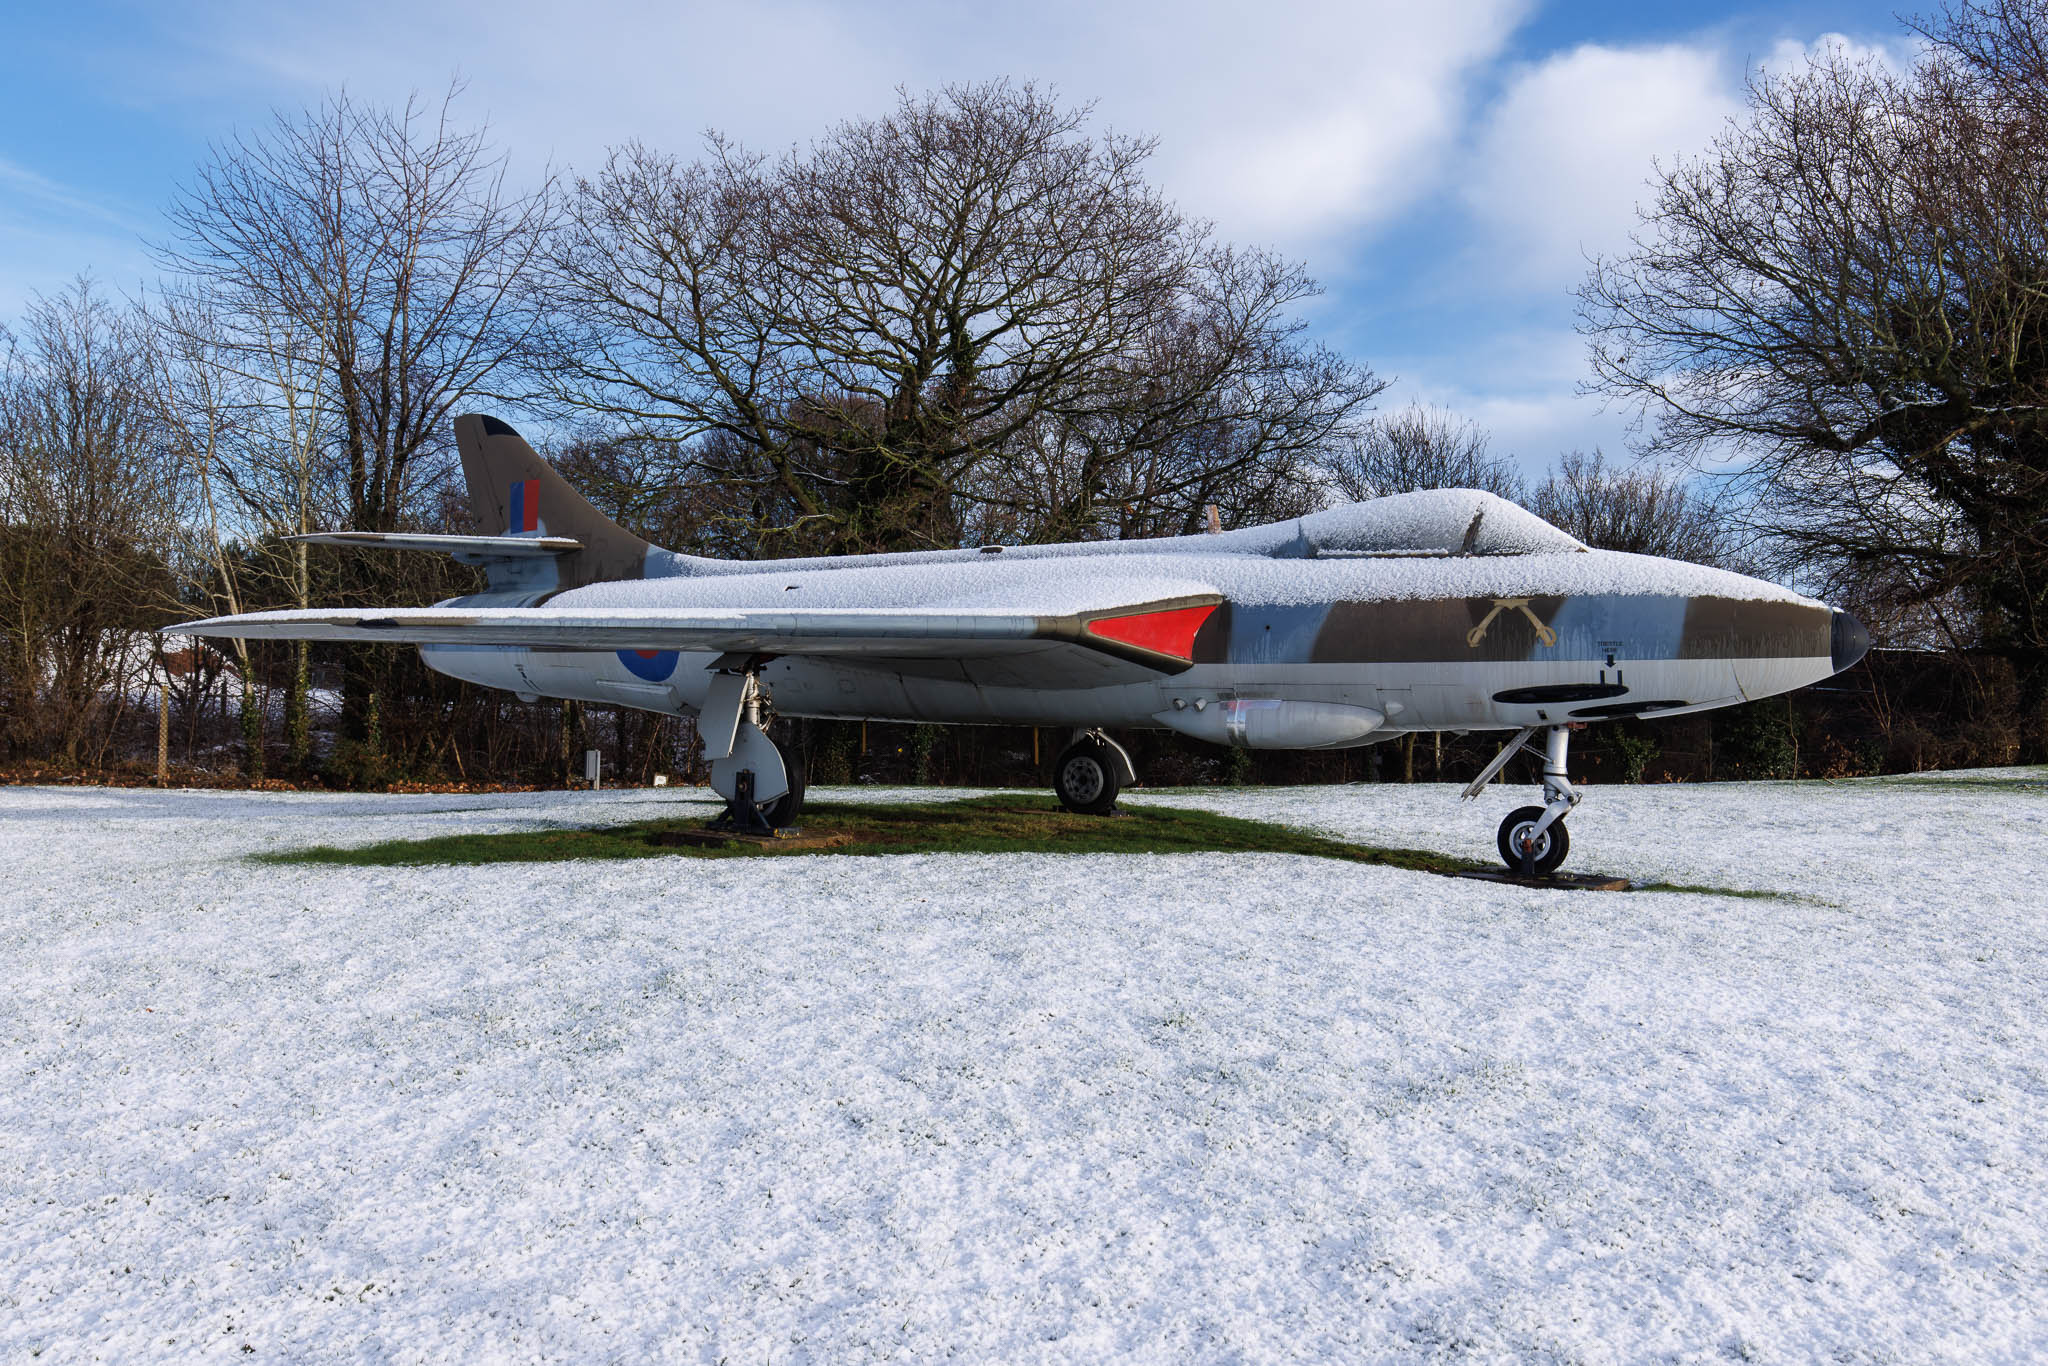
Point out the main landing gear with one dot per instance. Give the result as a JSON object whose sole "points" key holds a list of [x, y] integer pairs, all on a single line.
{"points": [[762, 782], [1090, 772], [1533, 840]]}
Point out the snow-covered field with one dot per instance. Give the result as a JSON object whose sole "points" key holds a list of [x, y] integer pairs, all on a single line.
{"points": [[1029, 1108]]}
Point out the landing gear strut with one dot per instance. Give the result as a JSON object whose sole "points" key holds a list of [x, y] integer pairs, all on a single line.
{"points": [[762, 783], [1090, 772], [1533, 840]]}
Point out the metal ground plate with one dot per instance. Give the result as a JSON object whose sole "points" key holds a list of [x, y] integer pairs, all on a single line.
{"points": [[1556, 882]]}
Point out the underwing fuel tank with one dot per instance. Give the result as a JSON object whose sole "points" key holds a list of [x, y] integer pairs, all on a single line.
{"points": [[1275, 723]]}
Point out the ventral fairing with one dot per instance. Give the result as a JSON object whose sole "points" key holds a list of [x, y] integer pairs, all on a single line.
{"points": [[1447, 610]]}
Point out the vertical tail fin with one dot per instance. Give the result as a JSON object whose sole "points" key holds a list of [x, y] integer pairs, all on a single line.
{"points": [[512, 491]]}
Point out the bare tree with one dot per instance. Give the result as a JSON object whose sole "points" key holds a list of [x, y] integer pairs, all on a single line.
{"points": [[852, 339], [387, 238], [1417, 448], [1849, 295], [1220, 403], [89, 498], [199, 406], [246, 423], [1646, 511], [370, 256]]}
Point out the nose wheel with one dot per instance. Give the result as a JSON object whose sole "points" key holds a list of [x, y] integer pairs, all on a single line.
{"points": [[1532, 840], [1529, 846]]}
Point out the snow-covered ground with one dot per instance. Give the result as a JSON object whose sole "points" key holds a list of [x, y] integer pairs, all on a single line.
{"points": [[1029, 1108]]}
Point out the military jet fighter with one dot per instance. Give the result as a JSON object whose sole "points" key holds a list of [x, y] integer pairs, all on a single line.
{"points": [[1445, 610]]}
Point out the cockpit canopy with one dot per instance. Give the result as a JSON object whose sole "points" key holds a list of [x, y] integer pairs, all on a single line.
{"points": [[1434, 522]]}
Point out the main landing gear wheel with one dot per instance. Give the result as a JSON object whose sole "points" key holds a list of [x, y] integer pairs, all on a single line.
{"points": [[1084, 778], [761, 780], [782, 812], [1541, 855]]}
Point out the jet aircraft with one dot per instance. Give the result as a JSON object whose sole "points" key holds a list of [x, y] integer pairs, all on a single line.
{"points": [[1444, 610]]}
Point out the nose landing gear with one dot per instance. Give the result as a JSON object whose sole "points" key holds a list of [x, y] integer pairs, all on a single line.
{"points": [[1533, 840]]}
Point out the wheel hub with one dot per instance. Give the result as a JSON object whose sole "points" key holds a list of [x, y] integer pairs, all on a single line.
{"points": [[1083, 779]]}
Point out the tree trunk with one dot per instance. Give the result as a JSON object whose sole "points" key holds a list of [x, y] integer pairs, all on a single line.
{"points": [[298, 720], [252, 730]]}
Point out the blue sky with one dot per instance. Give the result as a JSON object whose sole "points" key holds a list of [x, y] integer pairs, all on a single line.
{"points": [[1441, 167]]}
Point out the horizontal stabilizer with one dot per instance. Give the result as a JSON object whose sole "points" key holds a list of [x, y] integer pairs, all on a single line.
{"points": [[473, 549]]}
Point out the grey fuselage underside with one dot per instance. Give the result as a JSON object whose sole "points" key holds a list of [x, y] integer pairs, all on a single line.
{"points": [[1432, 644]]}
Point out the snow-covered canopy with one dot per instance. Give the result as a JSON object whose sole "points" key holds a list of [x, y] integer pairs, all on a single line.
{"points": [[1433, 522], [1438, 521]]}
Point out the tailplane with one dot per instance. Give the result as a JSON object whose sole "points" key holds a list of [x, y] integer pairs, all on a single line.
{"points": [[513, 492]]}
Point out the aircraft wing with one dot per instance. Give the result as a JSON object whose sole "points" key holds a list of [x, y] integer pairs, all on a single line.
{"points": [[1156, 636]]}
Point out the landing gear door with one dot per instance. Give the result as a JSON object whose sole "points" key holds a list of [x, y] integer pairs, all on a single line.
{"points": [[752, 751]]}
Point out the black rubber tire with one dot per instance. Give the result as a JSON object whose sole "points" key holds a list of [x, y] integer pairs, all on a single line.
{"points": [[1084, 778], [782, 812], [1555, 843]]}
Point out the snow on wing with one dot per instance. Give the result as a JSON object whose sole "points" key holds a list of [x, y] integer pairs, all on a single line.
{"points": [[1157, 637]]}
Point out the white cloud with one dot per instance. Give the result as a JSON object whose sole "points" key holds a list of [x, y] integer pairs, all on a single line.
{"points": [[1790, 55], [1291, 124], [1529, 426], [1561, 161], [1319, 121], [1305, 124], [1557, 165]]}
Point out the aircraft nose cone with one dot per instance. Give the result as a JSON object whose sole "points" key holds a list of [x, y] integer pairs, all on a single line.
{"points": [[1847, 640]]}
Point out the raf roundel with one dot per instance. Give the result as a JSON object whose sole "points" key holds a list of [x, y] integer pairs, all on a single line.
{"points": [[653, 665]]}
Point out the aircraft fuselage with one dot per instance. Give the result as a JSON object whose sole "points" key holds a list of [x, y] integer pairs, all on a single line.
{"points": [[1428, 644]]}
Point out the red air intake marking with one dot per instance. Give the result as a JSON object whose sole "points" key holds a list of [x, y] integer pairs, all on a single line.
{"points": [[1171, 632]]}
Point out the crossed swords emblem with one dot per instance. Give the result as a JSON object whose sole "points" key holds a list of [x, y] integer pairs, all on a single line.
{"points": [[1478, 633]]}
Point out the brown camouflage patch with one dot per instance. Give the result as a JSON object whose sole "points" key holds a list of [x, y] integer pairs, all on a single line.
{"points": [[1732, 628], [1432, 630], [1212, 642]]}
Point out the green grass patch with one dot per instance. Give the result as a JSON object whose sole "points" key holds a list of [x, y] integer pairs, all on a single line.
{"points": [[2033, 782], [976, 825], [997, 824], [1748, 893]]}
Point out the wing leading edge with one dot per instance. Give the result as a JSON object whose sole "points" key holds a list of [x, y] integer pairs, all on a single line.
{"points": [[1159, 636]]}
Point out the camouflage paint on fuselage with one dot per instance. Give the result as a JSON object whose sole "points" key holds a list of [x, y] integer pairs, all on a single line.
{"points": [[1463, 660], [1463, 663], [1599, 627]]}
